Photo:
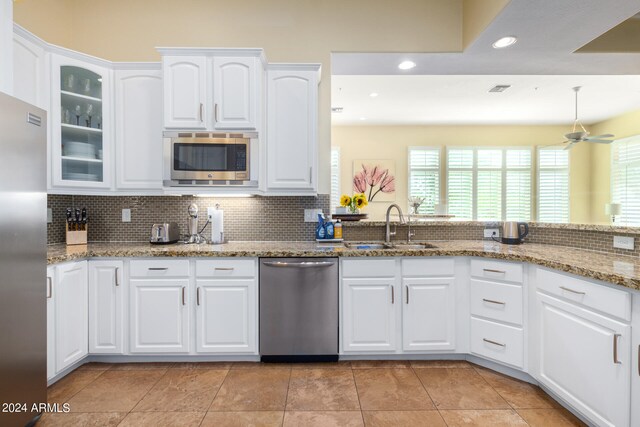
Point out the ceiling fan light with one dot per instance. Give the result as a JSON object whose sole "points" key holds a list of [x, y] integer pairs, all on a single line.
{"points": [[503, 42]]}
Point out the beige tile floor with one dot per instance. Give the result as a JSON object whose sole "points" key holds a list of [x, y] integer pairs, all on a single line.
{"points": [[371, 393]]}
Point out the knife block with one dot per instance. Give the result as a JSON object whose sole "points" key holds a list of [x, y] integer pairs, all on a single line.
{"points": [[77, 237]]}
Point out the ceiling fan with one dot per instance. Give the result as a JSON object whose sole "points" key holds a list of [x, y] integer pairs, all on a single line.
{"points": [[580, 134]]}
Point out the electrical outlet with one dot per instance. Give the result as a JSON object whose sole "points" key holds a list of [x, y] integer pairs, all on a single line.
{"points": [[623, 242], [126, 215], [491, 232], [49, 216], [311, 215]]}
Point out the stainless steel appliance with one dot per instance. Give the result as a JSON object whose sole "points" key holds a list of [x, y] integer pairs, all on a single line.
{"points": [[513, 232], [193, 231], [23, 255], [203, 156], [168, 232], [298, 309]]}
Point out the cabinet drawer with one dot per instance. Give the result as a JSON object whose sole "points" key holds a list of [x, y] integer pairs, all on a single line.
{"points": [[497, 270], [423, 267], [226, 268], [368, 268], [159, 268], [611, 301], [499, 301], [498, 342]]}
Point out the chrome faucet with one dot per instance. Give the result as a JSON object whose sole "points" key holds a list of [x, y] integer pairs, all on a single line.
{"points": [[388, 232]]}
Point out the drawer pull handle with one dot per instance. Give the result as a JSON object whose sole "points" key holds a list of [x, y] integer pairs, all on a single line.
{"points": [[615, 349], [116, 276], [489, 270], [198, 295], [493, 342], [50, 283], [407, 288], [572, 291], [639, 360], [393, 297], [184, 302], [494, 302], [224, 268], [158, 268]]}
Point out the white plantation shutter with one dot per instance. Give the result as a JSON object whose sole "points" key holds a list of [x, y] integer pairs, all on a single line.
{"points": [[489, 184], [335, 178], [460, 194], [553, 185], [518, 185], [424, 176], [625, 180]]}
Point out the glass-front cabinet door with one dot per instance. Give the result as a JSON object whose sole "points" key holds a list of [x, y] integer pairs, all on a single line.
{"points": [[80, 115]]}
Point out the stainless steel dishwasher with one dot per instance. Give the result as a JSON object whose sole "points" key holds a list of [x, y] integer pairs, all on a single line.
{"points": [[298, 309]]}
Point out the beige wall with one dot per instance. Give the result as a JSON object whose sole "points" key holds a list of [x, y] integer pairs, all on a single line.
{"points": [[477, 15], [622, 126], [391, 142], [289, 31]]}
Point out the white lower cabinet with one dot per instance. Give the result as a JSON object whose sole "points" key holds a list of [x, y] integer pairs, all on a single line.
{"points": [[51, 324], [70, 295], [369, 314], [226, 312], [428, 314], [159, 315], [106, 301], [585, 358]]}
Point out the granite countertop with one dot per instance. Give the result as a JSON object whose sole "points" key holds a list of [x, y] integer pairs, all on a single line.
{"points": [[616, 269]]}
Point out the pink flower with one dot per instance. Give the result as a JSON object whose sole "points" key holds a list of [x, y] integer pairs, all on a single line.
{"points": [[376, 174], [388, 184], [360, 182]]}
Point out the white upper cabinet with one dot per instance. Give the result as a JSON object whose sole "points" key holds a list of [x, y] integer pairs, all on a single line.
{"points": [[29, 71], [213, 89], [292, 127], [185, 92], [81, 122], [236, 83], [138, 110]]}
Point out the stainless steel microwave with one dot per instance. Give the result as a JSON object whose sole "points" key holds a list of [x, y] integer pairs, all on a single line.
{"points": [[201, 156]]}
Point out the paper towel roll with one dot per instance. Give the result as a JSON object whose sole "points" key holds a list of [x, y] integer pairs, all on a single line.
{"points": [[217, 226]]}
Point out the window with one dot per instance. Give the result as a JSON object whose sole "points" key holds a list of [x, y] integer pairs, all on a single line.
{"points": [[553, 184], [625, 180], [489, 184], [335, 178], [424, 177]]}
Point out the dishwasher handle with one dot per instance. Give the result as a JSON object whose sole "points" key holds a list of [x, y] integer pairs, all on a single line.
{"points": [[304, 264]]}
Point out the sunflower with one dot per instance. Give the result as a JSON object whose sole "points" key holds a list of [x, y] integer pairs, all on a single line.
{"points": [[345, 200], [361, 200]]}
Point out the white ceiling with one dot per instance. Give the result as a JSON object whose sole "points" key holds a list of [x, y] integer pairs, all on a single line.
{"points": [[451, 88], [464, 99]]}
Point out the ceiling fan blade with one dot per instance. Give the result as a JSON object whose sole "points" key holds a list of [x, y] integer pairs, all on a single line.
{"points": [[568, 147], [606, 135], [600, 141]]}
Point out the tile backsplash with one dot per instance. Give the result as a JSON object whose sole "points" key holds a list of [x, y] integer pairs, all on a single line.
{"points": [[276, 218], [250, 218]]}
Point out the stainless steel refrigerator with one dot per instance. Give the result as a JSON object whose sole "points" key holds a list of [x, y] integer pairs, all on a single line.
{"points": [[23, 241]]}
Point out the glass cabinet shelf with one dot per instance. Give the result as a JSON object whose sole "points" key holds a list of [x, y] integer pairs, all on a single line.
{"points": [[81, 136]]}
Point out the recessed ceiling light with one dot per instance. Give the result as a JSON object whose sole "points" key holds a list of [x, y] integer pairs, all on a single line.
{"points": [[406, 65], [363, 118], [504, 42], [373, 94]]}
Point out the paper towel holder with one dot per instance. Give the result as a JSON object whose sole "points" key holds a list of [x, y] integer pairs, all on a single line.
{"points": [[217, 236]]}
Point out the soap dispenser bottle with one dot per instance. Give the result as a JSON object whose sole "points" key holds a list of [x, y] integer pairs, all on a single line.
{"points": [[321, 232]]}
